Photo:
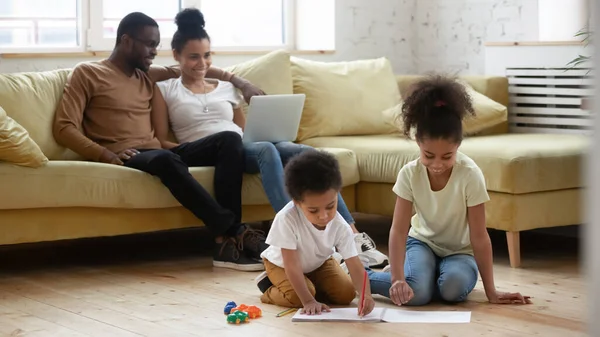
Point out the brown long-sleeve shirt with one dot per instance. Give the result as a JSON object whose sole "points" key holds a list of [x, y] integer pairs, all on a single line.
{"points": [[103, 109]]}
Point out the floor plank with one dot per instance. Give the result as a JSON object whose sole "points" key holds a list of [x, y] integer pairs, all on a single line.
{"points": [[166, 286]]}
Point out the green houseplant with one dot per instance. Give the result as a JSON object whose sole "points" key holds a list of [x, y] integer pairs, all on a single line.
{"points": [[582, 60], [586, 35]]}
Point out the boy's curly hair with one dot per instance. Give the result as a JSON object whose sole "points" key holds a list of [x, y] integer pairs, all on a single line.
{"points": [[435, 107], [312, 171]]}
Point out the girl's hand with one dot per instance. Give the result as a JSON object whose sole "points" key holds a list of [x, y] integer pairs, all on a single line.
{"points": [[368, 306], [400, 292], [314, 308], [498, 297]]}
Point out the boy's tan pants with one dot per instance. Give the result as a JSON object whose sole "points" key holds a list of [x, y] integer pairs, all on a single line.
{"points": [[329, 284]]}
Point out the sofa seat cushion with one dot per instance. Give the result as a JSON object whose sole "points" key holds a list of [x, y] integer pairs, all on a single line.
{"points": [[89, 184], [511, 163]]}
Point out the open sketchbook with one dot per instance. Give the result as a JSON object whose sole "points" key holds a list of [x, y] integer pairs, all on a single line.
{"points": [[388, 315]]}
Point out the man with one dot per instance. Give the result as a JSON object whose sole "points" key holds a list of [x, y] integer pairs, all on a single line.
{"points": [[105, 116]]}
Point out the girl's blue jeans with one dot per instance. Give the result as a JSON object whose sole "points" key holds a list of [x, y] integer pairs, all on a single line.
{"points": [[449, 279]]}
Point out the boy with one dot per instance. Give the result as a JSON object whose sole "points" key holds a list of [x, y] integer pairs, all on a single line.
{"points": [[299, 263]]}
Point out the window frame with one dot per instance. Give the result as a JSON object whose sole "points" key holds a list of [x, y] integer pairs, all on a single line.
{"points": [[83, 24], [92, 40]]}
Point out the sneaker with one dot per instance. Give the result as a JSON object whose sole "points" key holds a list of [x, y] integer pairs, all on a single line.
{"points": [[252, 242], [228, 255], [363, 259], [263, 282], [338, 257], [367, 250], [387, 268]]}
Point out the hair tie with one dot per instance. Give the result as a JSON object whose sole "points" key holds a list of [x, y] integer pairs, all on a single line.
{"points": [[439, 103]]}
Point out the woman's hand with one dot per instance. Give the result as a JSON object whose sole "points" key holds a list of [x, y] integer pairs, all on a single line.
{"points": [[498, 297], [249, 90], [127, 154], [400, 292], [314, 308]]}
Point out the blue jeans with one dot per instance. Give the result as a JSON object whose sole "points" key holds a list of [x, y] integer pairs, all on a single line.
{"points": [[450, 279], [268, 159]]}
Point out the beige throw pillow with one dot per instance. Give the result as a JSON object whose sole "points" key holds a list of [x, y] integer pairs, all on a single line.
{"points": [[345, 98], [488, 113], [16, 146], [270, 72]]}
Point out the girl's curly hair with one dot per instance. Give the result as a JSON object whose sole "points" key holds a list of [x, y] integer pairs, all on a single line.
{"points": [[435, 107]]}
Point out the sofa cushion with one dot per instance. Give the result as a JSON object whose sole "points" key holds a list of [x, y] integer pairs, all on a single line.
{"points": [[489, 114], [89, 184], [270, 72], [16, 147], [345, 98], [511, 163], [30, 99]]}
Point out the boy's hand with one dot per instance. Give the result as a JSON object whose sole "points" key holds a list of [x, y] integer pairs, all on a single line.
{"points": [[368, 306], [400, 292], [314, 308]]}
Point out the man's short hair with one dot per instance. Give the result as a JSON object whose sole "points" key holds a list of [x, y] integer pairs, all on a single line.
{"points": [[132, 23]]}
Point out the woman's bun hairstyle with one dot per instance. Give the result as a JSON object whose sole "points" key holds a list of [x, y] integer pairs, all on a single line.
{"points": [[190, 26], [190, 19]]}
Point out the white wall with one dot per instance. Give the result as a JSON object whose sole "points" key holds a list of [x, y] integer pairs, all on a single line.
{"points": [[416, 35], [555, 26], [452, 33]]}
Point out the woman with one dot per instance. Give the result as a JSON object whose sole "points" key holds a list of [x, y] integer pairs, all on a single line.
{"points": [[198, 107]]}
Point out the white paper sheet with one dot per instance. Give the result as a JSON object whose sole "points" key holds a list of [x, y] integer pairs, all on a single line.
{"points": [[388, 315], [339, 315], [412, 316]]}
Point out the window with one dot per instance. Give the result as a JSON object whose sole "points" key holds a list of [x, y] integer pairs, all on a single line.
{"points": [[34, 24], [80, 25]]}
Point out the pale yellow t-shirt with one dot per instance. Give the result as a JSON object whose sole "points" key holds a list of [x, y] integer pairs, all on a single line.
{"points": [[441, 217]]}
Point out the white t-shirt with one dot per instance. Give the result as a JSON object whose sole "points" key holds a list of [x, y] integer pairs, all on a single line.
{"points": [[441, 217], [292, 230], [188, 120]]}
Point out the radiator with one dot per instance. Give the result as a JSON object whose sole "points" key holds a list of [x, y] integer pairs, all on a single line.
{"points": [[548, 100]]}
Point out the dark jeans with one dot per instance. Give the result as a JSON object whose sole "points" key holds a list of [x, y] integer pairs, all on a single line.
{"points": [[224, 151]]}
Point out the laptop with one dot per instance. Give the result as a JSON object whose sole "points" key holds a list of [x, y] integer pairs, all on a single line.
{"points": [[273, 118]]}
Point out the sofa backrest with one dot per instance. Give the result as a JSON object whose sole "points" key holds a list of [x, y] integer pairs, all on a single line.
{"points": [[31, 98]]}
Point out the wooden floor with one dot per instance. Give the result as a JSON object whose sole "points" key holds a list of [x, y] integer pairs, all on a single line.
{"points": [[164, 285]]}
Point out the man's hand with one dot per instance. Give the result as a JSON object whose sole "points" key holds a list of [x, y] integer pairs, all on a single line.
{"points": [[109, 157]]}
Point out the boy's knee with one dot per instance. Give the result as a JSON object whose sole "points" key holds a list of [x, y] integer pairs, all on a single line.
{"points": [[285, 298], [342, 294], [454, 287], [294, 300]]}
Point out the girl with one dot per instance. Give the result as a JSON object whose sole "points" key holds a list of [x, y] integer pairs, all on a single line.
{"points": [[197, 107], [438, 252], [300, 268]]}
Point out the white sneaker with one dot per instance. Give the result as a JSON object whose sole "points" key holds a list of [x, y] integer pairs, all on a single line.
{"points": [[368, 251], [387, 268], [338, 257]]}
